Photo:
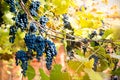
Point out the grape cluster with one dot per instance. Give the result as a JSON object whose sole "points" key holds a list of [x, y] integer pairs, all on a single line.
{"points": [[43, 20], [21, 21], [30, 40], [12, 33], [34, 7], [12, 5], [67, 24], [95, 57], [35, 43], [33, 27], [101, 32], [22, 56], [92, 34], [85, 41], [50, 51], [84, 48], [39, 46]]}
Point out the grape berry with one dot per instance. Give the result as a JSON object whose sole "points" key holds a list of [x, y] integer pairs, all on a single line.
{"points": [[34, 7]]}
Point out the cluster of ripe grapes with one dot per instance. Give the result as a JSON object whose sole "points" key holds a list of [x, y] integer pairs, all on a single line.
{"points": [[33, 41], [38, 44]]}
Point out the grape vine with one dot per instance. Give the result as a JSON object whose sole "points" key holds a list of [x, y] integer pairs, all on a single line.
{"points": [[94, 44]]}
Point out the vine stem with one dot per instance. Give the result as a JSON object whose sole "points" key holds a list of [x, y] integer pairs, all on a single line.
{"points": [[39, 25]]}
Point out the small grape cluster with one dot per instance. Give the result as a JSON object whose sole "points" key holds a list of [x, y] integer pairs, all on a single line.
{"points": [[43, 20], [21, 21], [50, 51], [30, 40], [33, 27], [21, 56], [93, 34], [34, 7], [39, 46], [35, 43], [12, 5], [12, 33], [96, 59], [67, 24]]}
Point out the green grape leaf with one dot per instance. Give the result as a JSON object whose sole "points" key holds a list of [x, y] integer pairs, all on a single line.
{"points": [[30, 73], [75, 66], [116, 72], [57, 74], [43, 75], [103, 65], [92, 74], [107, 33], [86, 77]]}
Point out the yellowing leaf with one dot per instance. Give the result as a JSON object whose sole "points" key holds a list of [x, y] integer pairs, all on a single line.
{"points": [[61, 6], [93, 75], [89, 64]]}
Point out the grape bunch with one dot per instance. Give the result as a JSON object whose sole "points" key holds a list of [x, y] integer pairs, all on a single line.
{"points": [[84, 48], [12, 5], [67, 24], [30, 40], [35, 43], [101, 32], [43, 20], [21, 21], [12, 33], [95, 57], [92, 34], [33, 27], [50, 51], [39, 46], [34, 7], [21, 56]]}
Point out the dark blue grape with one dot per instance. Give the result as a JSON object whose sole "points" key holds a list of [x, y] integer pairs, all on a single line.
{"points": [[50, 51], [95, 57], [24, 67], [96, 43], [21, 21], [34, 6], [30, 41], [51, 47], [65, 19], [39, 46], [101, 32], [12, 5], [85, 41], [12, 39], [22, 56], [84, 49], [43, 20], [33, 27], [66, 22], [13, 30], [92, 34]]}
